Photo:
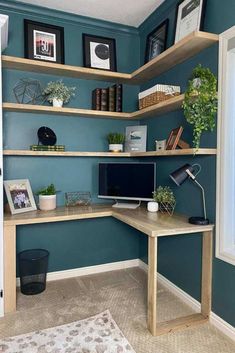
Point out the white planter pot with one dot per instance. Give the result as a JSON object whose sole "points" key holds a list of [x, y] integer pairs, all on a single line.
{"points": [[152, 206], [47, 202], [115, 147], [57, 103]]}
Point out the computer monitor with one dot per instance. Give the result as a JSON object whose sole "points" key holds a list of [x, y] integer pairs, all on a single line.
{"points": [[127, 181]]}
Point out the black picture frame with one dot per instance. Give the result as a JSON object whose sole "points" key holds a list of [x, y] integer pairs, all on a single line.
{"points": [[53, 36], [201, 20], [156, 41], [99, 52]]}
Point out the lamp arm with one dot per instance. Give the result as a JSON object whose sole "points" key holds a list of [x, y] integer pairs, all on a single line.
{"points": [[203, 197]]}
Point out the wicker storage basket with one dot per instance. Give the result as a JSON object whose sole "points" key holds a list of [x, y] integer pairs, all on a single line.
{"points": [[157, 94]]}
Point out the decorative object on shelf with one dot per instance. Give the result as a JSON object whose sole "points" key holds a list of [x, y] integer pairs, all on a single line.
{"points": [[47, 198], [4, 24], [44, 42], [152, 206], [136, 138], [116, 141], [99, 52], [28, 91], [190, 16], [108, 99], [160, 145], [156, 41], [165, 198], [56, 148], [179, 176], [174, 140], [19, 196], [157, 94], [58, 93], [200, 103], [77, 198], [46, 136]]}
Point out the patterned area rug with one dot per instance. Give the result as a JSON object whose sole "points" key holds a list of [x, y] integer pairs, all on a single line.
{"points": [[97, 334]]}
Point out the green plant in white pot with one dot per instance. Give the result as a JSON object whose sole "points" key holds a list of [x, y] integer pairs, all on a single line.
{"points": [[58, 93], [165, 198], [47, 198], [116, 141]]}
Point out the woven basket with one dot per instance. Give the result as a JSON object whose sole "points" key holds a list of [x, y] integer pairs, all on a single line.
{"points": [[155, 98]]}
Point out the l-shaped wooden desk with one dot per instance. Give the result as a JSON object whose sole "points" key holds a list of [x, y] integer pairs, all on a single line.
{"points": [[154, 225]]}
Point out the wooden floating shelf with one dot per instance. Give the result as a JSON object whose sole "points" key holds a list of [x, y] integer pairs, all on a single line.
{"points": [[168, 153], [152, 111], [184, 49]]}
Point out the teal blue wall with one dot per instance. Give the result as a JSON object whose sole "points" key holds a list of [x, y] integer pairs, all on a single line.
{"points": [[73, 244], [179, 257], [105, 240]]}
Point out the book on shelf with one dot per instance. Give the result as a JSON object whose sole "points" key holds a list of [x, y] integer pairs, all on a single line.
{"points": [[57, 148], [119, 97], [112, 98], [104, 99], [96, 99]]}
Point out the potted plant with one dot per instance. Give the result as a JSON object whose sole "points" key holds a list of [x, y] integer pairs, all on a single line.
{"points": [[200, 103], [165, 198], [47, 198], [58, 93], [115, 141]]}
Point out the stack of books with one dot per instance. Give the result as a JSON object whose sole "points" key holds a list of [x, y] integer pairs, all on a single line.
{"points": [[56, 148], [107, 99]]}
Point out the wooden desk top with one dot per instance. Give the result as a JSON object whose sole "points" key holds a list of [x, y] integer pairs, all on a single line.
{"points": [[151, 224]]}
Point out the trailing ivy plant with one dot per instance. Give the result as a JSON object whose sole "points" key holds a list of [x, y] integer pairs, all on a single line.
{"points": [[200, 103]]}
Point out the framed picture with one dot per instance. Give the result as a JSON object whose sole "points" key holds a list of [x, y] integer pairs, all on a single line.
{"points": [[190, 16], [136, 138], [99, 52], [44, 42], [174, 138], [19, 196], [156, 41]]}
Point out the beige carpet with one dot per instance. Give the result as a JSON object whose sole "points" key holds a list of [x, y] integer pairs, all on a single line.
{"points": [[124, 294]]}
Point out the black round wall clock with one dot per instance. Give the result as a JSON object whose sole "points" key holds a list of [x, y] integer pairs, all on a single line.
{"points": [[46, 136]]}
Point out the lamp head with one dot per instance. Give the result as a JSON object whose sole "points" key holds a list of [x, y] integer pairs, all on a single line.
{"points": [[183, 173]]}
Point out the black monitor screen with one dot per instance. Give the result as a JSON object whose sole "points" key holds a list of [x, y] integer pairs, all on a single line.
{"points": [[127, 180]]}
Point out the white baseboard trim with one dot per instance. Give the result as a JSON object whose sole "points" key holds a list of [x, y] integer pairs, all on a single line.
{"points": [[215, 320], [89, 270]]}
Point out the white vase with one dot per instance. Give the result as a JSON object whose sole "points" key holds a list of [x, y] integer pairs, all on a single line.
{"points": [[57, 103], [152, 206], [47, 202], [115, 147]]}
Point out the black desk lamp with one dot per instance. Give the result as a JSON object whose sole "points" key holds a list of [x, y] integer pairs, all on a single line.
{"points": [[180, 176]]}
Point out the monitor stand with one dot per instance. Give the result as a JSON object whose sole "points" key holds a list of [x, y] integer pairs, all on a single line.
{"points": [[126, 205]]}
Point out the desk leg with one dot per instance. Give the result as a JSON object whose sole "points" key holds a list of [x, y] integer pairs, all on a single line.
{"points": [[206, 273], [152, 284], [9, 268]]}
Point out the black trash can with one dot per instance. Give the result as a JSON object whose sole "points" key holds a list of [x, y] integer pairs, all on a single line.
{"points": [[33, 265]]}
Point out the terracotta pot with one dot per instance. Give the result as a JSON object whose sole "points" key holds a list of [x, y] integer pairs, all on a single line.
{"points": [[47, 202]]}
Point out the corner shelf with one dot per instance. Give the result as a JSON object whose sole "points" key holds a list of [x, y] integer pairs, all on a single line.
{"points": [[186, 48], [152, 111], [168, 153]]}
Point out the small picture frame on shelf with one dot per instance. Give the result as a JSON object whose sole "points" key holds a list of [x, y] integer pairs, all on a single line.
{"points": [[19, 195], [136, 138], [190, 17], [156, 41], [99, 52], [174, 138], [44, 42]]}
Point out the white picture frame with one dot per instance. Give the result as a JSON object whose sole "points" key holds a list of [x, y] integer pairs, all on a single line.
{"points": [[136, 138], [19, 195], [189, 18]]}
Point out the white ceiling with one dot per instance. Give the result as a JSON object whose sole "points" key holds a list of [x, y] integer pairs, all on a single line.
{"points": [[127, 12]]}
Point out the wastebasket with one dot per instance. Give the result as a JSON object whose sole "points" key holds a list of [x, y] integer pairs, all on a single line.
{"points": [[33, 265]]}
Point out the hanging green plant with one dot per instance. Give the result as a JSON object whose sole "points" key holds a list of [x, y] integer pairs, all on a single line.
{"points": [[200, 103]]}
